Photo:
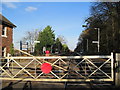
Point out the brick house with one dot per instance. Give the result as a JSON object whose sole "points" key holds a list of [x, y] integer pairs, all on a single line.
{"points": [[6, 35]]}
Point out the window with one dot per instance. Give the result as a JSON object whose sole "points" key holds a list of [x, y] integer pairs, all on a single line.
{"points": [[4, 51], [4, 31]]}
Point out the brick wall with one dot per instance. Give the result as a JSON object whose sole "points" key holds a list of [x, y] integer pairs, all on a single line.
{"points": [[0, 40], [7, 41]]}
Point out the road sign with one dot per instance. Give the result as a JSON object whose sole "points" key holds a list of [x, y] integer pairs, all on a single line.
{"points": [[46, 68], [94, 41], [44, 49], [36, 41]]}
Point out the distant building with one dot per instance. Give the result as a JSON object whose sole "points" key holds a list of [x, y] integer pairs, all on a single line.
{"points": [[6, 35]]}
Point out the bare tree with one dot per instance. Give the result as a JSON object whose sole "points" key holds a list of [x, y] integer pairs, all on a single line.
{"points": [[62, 39], [30, 37]]}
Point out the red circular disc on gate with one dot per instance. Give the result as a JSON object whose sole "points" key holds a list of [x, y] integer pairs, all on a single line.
{"points": [[46, 68]]}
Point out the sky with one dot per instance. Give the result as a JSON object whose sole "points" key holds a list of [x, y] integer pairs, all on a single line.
{"points": [[65, 18]]}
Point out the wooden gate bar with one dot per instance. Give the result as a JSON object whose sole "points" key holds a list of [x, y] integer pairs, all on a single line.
{"points": [[57, 80], [98, 68], [80, 65], [56, 57]]}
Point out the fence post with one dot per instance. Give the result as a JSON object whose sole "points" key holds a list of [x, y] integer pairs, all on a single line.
{"points": [[117, 70], [112, 65], [8, 64]]}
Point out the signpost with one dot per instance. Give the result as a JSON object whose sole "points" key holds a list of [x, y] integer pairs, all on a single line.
{"points": [[44, 49], [46, 68], [97, 42], [94, 41], [36, 41], [34, 45]]}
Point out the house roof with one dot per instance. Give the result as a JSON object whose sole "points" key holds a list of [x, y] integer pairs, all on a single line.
{"points": [[5, 21]]}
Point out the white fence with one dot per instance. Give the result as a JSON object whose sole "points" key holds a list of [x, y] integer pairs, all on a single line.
{"points": [[64, 68]]}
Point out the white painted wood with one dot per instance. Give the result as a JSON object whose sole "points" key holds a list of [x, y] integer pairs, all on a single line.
{"points": [[62, 57], [54, 74], [23, 69], [112, 66], [42, 59], [117, 69], [56, 80]]}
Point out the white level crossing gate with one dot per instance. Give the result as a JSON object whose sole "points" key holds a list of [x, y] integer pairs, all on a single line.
{"points": [[64, 68]]}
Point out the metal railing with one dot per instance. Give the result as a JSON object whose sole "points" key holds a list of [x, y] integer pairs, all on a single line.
{"points": [[64, 68]]}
